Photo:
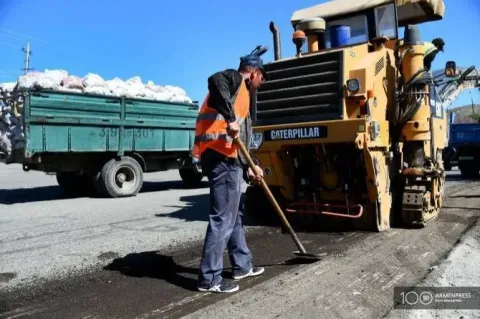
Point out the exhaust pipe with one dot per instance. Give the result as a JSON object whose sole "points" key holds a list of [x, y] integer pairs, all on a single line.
{"points": [[276, 41]]}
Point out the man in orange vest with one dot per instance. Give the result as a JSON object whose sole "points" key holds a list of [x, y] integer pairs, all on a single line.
{"points": [[224, 116]]}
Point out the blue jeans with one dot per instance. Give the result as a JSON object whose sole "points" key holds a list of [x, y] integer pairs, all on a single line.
{"points": [[225, 228]]}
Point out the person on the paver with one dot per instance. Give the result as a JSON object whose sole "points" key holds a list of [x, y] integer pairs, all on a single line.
{"points": [[430, 51], [224, 116]]}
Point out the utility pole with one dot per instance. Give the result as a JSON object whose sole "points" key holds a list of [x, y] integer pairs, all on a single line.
{"points": [[27, 52]]}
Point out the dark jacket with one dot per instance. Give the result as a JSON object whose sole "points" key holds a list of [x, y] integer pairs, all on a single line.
{"points": [[430, 52], [223, 87], [428, 59]]}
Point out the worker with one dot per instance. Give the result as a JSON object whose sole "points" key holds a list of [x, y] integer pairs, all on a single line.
{"points": [[430, 51], [224, 116]]}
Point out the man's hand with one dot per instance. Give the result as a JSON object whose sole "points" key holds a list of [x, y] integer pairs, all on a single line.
{"points": [[233, 129], [255, 177]]}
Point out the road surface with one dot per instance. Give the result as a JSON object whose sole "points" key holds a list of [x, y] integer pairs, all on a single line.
{"points": [[138, 257]]}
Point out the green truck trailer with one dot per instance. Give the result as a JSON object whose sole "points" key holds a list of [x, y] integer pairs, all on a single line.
{"points": [[105, 144]]}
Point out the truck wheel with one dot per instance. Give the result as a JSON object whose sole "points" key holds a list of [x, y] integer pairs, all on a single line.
{"points": [[191, 176], [469, 172], [120, 178], [74, 184]]}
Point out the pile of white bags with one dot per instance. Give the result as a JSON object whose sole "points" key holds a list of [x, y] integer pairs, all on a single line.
{"points": [[11, 103], [60, 80], [11, 126]]}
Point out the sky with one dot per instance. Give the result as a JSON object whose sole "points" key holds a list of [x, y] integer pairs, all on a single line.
{"points": [[182, 43]]}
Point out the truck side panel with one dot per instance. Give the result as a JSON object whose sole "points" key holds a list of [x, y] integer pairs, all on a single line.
{"points": [[465, 133], [69, 122], [465, 141]]}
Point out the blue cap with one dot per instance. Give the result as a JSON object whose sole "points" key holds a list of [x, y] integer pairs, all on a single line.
{"points": [[254, 60]]}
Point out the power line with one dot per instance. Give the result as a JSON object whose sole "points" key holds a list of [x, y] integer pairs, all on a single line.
{"points": [[16, 34]]}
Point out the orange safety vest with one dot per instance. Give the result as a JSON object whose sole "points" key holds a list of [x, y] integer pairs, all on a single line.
{"points": [[211, 127]]}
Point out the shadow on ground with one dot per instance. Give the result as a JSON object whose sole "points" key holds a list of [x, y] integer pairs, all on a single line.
{"points": [[152, 264], [464, 196], [461, 208], [196, 208], [47, 193], [459, 178]]}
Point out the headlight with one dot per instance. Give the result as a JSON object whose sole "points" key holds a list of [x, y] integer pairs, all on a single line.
{"points": [[256, 141], [353, 85]]}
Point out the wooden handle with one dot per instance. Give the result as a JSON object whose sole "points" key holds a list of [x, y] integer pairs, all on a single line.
{"points": [[270, 196]]}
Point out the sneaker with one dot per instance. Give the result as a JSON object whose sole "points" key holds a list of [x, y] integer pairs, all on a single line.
{"points": [[255, 271], [223, 287]]}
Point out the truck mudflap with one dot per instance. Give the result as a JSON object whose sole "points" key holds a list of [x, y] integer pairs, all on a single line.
{"points": [[334, 210]]}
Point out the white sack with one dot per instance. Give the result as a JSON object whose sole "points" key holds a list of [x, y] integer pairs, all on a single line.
{"points": [[93, 80], [101, 90], [27, 81], [47, 83], [135, 91], [94, 84], [55, 76], [149, 94], [175, 90], [150, 85], [136, 80], [162, 96], [72, 82], [181, 99], [9, 86], [117, 87], [5, 143], [64, 89]]}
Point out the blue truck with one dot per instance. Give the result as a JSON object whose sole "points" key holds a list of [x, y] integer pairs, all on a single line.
{"points": [[464, 148], [464, 129]]}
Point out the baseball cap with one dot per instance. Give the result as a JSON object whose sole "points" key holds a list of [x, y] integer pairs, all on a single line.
{"points": [[254, 60], [439, 43]]}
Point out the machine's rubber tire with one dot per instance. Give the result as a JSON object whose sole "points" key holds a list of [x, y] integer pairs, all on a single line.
{"points": [[74, 184], [447, 166], [469, 172], [191, 176], [115, 170]]}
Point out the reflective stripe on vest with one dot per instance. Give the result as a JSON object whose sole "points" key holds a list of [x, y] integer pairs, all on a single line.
{"points": [[428, 48], [211, 127], [217, 117], [213, 136]]}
